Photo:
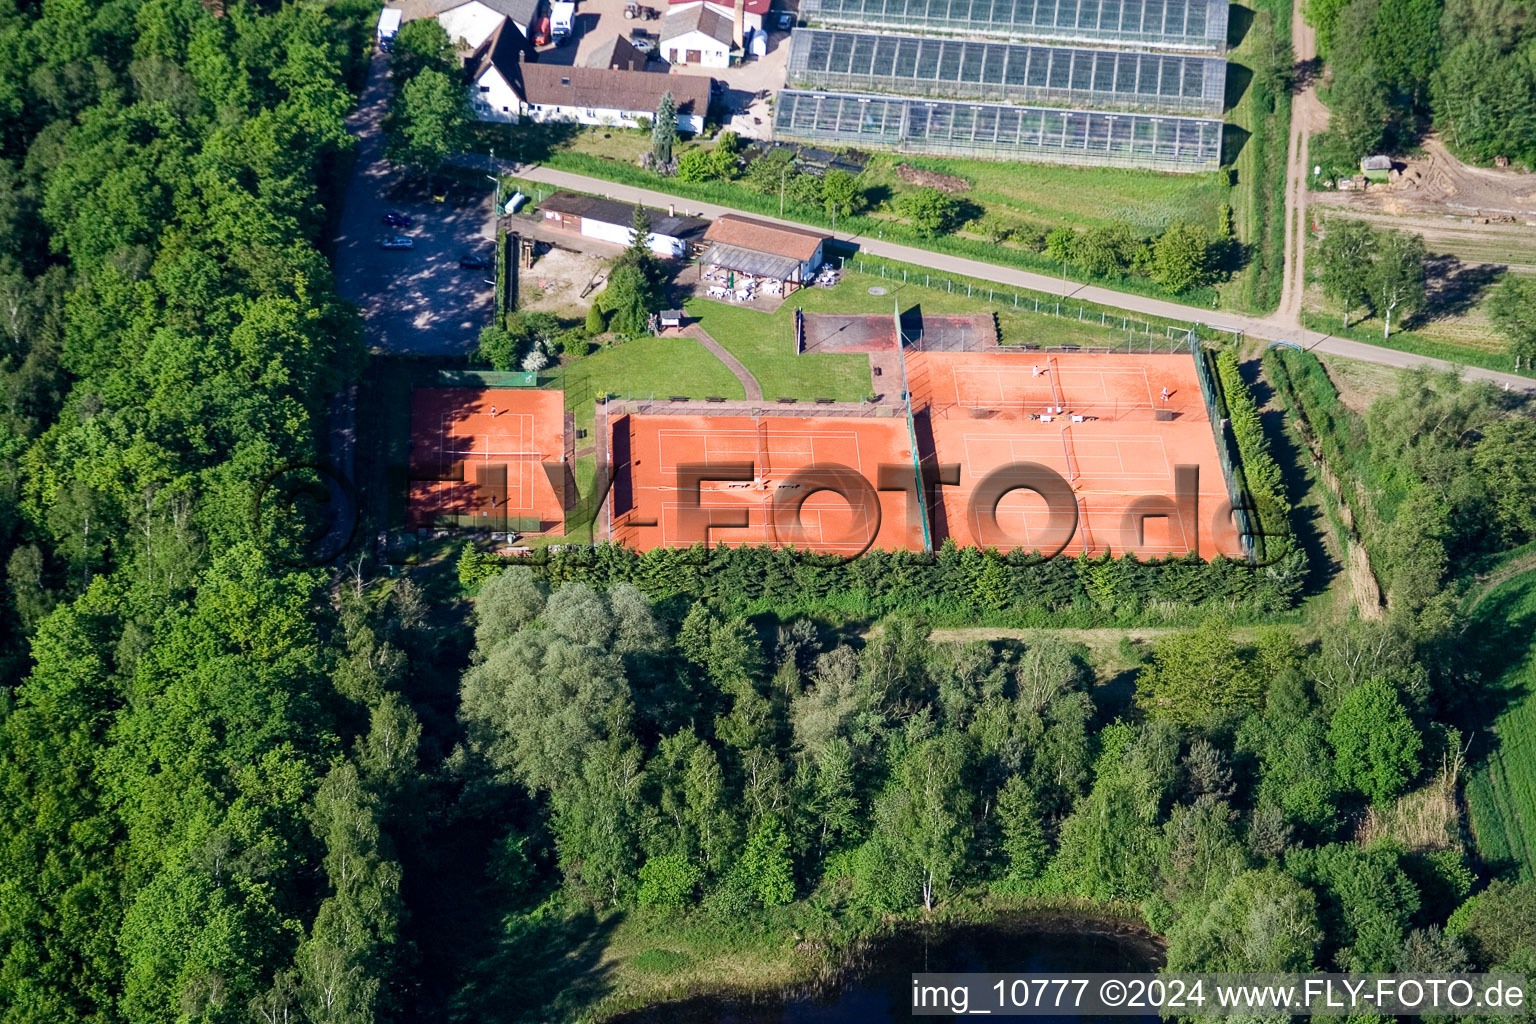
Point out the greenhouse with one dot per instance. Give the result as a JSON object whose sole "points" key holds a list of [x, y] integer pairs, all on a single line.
{"points": [[996, 131], [1160, 24], [1010, 72]]}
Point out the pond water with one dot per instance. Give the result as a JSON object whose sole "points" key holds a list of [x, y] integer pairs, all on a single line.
{"points": [[878, 990]]}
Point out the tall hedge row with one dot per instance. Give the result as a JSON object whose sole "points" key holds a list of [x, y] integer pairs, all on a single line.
{"points": [[1260, 471], [954, 578]]}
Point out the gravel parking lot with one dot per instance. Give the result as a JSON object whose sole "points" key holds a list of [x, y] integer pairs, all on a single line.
{"points": [[419, 299]]}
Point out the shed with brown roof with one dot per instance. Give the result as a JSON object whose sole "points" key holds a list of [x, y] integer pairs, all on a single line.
{"points": [[745, 245]]}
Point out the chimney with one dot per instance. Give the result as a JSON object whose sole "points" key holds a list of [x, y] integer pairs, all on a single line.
{"points": [[738, 25]]}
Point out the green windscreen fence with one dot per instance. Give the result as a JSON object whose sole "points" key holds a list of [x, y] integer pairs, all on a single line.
{"points": [[1226, 447], [487, 379]]}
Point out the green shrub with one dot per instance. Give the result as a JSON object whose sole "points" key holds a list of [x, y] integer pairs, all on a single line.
{"points": [[1260, 472]]}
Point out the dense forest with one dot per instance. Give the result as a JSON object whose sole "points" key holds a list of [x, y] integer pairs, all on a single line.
{"points": [[1467, 68], [175, 760]]}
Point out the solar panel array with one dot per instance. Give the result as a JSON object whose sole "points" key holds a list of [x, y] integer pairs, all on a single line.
{"points": [[1167, 24], [955, 69], [999, 131]]}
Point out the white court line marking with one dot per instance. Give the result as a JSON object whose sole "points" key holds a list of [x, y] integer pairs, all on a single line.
{"points": [[1073, 381], [756, 531], [776, 451]]}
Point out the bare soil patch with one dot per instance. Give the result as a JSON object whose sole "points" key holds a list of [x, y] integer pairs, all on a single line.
{"points": [[554, 284], [932, 179]]}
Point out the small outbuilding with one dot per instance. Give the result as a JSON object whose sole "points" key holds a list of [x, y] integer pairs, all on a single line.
{"points": [[1376, 167], [609, 220], [672, 318], [618, 54], [469, 23], [779, 258]]}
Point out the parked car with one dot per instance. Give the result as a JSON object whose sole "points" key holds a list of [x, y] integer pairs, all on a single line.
{"points": [[642, 40], [786, 21], [397, 242], [396, 220], [474, 261]]}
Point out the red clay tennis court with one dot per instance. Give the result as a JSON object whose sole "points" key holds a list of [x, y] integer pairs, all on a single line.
{"points": [[1112, 425], [791, 459], [477, 454], [1112, 385]]}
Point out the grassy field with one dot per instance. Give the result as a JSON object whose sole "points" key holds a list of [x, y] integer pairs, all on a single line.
{"points": [[1075, 196], [1501, 792], [1455, 326], [1437, 340], [1260, 121], [765, 344], [644, 368]]}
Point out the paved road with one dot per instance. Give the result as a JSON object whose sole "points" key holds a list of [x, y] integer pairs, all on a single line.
{"points": [[1271, 328], [414, 300]]}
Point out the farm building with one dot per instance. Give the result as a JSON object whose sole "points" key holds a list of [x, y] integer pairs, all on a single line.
{"points": [[609, 220], [997, 131], [784, 257], [470, 23], [553, 92], [619, 54], [494, 73], [752, 12], [1196, 25], [697, 35], [1007, 72]]}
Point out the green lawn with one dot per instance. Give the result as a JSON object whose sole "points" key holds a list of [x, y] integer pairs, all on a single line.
{"points": [[644, 368], [1501, 792], [1076, 196], [765, 344]]}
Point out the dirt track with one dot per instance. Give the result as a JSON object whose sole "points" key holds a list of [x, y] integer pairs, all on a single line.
{"points": [[1308, 116], [1439, 185]]}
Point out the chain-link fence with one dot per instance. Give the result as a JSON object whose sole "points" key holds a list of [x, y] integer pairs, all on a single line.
{"points": [[1122, 333]]}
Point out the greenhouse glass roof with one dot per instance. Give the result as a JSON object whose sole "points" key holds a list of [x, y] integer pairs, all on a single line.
{"points": [[1013, 72], [997, 131], [1168, 24]]}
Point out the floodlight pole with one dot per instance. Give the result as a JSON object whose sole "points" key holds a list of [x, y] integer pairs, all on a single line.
{"points": [[497, 179]]}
